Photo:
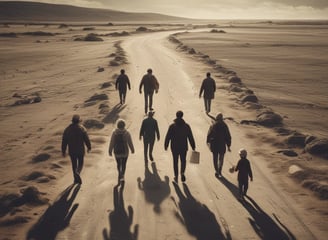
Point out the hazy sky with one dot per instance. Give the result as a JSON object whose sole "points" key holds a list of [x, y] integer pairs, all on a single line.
{"points": [[215, 9]]}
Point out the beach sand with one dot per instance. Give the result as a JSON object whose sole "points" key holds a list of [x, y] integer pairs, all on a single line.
{"points": [[285, 65], [47, 79]]}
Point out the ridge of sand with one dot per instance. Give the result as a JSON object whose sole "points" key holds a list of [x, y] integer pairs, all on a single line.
{"points": [[281, 137]]}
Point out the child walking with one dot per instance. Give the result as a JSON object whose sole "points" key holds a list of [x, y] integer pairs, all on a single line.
{"points": [[120, 142], [244, 171]]}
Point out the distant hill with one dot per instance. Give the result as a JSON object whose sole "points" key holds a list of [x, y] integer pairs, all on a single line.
{"points": [[44, 12]]}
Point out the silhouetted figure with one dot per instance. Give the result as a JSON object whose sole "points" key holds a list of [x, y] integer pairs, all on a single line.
{"points": [[122, 84], [148, 131], [150, 85], [120, 220], [75, 137], [179, 133], [244, 171], [197, 218], [120, 143], [208, 87], [154, 188], [218, 137], [57, 217]]}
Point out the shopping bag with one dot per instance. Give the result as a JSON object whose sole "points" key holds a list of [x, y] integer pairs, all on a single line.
{"points": [[194, 157]]}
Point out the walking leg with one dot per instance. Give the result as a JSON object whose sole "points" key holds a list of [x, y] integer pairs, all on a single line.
{"points": [[240, 187], [145, 151], [80, 161], [146, 102], [245, 188], [175, 166], [74, 161], [123, 163], [118, 166], [120, 94], [205, 104], [183, 165], [151, 101], [151, 147], [209, 105], [215, 163], [221, 159]]}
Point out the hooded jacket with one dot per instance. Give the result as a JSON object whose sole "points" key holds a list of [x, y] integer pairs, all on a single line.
{"points": [[75, 136], [127, 141], [219, 137], [179, 133]]}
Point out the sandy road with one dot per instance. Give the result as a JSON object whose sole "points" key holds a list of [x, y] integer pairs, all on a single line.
{"points": [[150, 206]]}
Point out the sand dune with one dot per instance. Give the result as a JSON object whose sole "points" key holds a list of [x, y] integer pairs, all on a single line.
{"points": [[44, 12]]}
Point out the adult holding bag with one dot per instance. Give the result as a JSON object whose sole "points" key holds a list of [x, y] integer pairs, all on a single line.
{"points": [[120, 143], [178, 134]]}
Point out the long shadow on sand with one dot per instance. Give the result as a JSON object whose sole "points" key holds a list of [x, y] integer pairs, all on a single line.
{"points": [[57, 217], [197, 218], [264, 226], [154, 188], [120, 220], [113, 115]]}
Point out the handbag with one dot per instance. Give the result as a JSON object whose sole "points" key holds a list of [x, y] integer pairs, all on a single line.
{"points": [[195, 157]]}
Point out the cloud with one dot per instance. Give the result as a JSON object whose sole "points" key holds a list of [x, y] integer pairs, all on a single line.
{"points": [[316, 4], [200, 4], [218, 9]]}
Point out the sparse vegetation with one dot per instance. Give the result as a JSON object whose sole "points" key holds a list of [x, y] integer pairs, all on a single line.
{"points": [[39, 33], [217, 31], [11, 34], [142, 29], [91, 37]]}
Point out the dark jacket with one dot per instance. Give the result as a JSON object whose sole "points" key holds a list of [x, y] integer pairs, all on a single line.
{"points": [[178, 134], [208, 87], [75, 136], [219, 137], [244, 170], [149, 83], [122, 82], [148, 129]]}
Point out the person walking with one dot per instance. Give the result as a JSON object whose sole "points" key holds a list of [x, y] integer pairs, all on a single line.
{"points": [[244, 171], [120, 142], [208, 87], [178, 134], [122, 83], [148, 131], [150, 85], [218, 138], [75, 137]]}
